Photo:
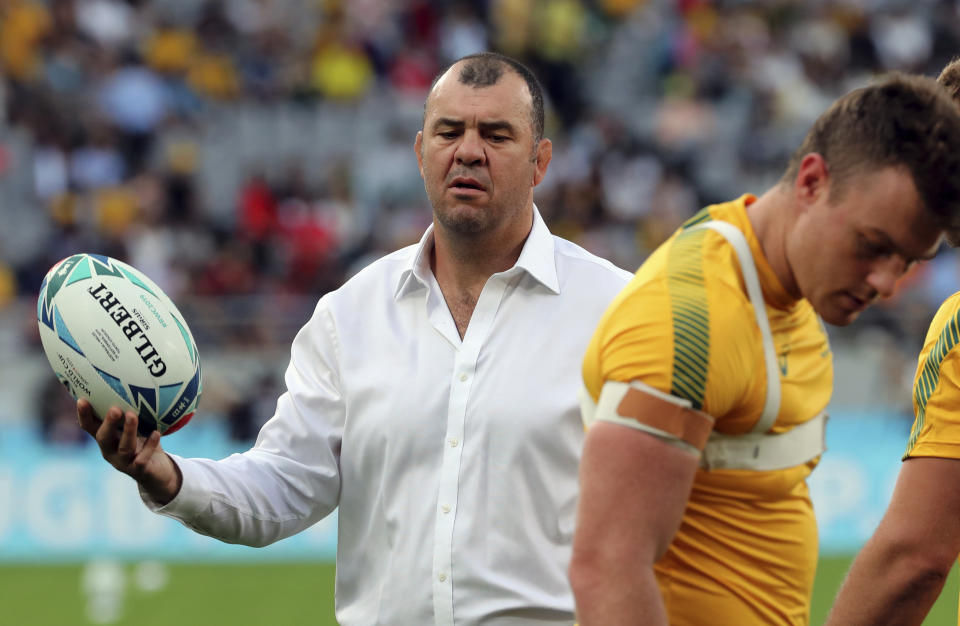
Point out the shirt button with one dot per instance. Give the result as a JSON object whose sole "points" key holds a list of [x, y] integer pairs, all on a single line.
{"points": [[441, 577], [445, 508], [463, 377], [454, 442]]}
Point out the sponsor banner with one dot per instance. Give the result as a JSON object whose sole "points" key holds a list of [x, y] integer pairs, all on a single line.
{"points": [[63, 503], [854, 481]]}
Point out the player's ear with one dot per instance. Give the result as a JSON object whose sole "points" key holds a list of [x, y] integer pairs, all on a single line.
{"points": [[418, 148], [542, 157], [812, 183]]}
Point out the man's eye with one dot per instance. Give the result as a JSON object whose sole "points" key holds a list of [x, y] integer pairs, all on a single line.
{"points": [[872, 249], [498, 138]]}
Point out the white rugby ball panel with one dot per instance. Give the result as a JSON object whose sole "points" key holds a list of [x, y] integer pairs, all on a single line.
{"points": [[112, 336]]}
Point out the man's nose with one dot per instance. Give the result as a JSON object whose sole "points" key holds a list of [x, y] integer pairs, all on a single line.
{"points": [[885, 273], [471, 150]]}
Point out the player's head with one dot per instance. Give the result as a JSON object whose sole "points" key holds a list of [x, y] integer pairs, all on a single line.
{"points": [[481, 150], [876, 184], [949, 79]]}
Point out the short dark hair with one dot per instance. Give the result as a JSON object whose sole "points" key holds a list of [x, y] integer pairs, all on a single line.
{"points": [[900, 121], [950, 79], [484, 69]]}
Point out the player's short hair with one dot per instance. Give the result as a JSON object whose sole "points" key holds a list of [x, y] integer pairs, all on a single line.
{"points": [[900, 121], [950, 79], [484, 69]]}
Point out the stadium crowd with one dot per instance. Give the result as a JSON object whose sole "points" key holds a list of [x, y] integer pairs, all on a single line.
{"points": [[257, 151]]}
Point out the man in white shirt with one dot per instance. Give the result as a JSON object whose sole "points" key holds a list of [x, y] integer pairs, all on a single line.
{"points": [[432, 397]]}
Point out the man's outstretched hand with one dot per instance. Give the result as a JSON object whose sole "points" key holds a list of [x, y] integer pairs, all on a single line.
{"points": [[142, 458]]}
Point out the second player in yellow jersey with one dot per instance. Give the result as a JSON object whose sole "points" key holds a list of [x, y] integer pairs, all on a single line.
{"points": [[902, 568]]}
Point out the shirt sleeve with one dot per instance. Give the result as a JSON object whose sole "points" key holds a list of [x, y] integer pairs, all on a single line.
{"points": [[936, 390], [689, 332], [290, 479]]}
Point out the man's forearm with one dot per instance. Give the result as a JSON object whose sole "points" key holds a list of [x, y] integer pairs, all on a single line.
{"points": [[620, 601], [886, 587]]}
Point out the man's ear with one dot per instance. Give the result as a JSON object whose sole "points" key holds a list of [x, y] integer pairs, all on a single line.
{"points": [[543, 155], [812, 183], [418, 148]]}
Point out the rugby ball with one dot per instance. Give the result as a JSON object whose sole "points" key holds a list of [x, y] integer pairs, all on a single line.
{"points": [[112, 336]]}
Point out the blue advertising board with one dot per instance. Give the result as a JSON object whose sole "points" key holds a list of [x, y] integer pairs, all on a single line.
{"points": [[854, 481], [65, 503]]}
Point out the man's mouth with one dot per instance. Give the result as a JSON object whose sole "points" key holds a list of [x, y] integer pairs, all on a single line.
{"points": [[465, 184], [858, 303]]}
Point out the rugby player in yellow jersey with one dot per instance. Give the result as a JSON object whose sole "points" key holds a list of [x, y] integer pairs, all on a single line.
{"points": [[707, 378], [901, 570]]}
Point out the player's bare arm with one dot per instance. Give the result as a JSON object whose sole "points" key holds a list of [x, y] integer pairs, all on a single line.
{"points": [[141, 458], [634, 488], [899, 573]]}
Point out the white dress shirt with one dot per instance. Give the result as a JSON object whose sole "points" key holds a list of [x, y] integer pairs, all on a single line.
{"points": [[454, 462]]}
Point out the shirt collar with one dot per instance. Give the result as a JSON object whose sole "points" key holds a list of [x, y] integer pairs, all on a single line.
{"points": [[536, 259]]}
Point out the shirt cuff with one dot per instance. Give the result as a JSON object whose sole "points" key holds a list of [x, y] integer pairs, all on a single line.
{"points": [[192, 498]]}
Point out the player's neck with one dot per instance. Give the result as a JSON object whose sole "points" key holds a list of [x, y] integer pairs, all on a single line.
{"points": [[770, 217]]}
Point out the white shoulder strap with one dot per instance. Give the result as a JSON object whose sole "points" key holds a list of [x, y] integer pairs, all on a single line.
{"points": [[749, 271]]}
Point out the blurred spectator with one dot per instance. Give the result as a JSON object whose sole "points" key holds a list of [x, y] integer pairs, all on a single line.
{"points": [[97, 162], [902, 39], [23, 26], [169, 48], [58, 414], [340, 70], [261, 146], [254, 408], [8, 285], [412, 71], [112, 23], [462, 31], [134, 99], [50, 170]]}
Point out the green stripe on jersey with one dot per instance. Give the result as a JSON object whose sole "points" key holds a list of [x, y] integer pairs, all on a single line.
{"points": [[691, 316], [930, 375], [701, 216]]}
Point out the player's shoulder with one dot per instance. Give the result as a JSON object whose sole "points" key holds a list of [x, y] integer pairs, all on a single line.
{"points": [[950, 307], [944, 328], [574, 260], [694, 262], [689, 285]]}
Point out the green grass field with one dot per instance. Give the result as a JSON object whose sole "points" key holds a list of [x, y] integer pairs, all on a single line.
{"points": [[291, 594]]}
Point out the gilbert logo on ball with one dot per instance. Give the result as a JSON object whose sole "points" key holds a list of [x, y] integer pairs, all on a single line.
{"points": [[113, 337]]}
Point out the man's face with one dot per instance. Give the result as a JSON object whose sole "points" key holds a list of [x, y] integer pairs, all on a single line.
{"points": [[477, 157], [846, 253]]}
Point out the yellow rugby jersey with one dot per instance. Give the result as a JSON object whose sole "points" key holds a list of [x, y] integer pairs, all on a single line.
{"points": [[746, 550], [936, 388]]}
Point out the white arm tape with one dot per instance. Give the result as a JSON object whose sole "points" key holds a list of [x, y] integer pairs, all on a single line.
{"points": [[611, 395], [766, 452]]}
